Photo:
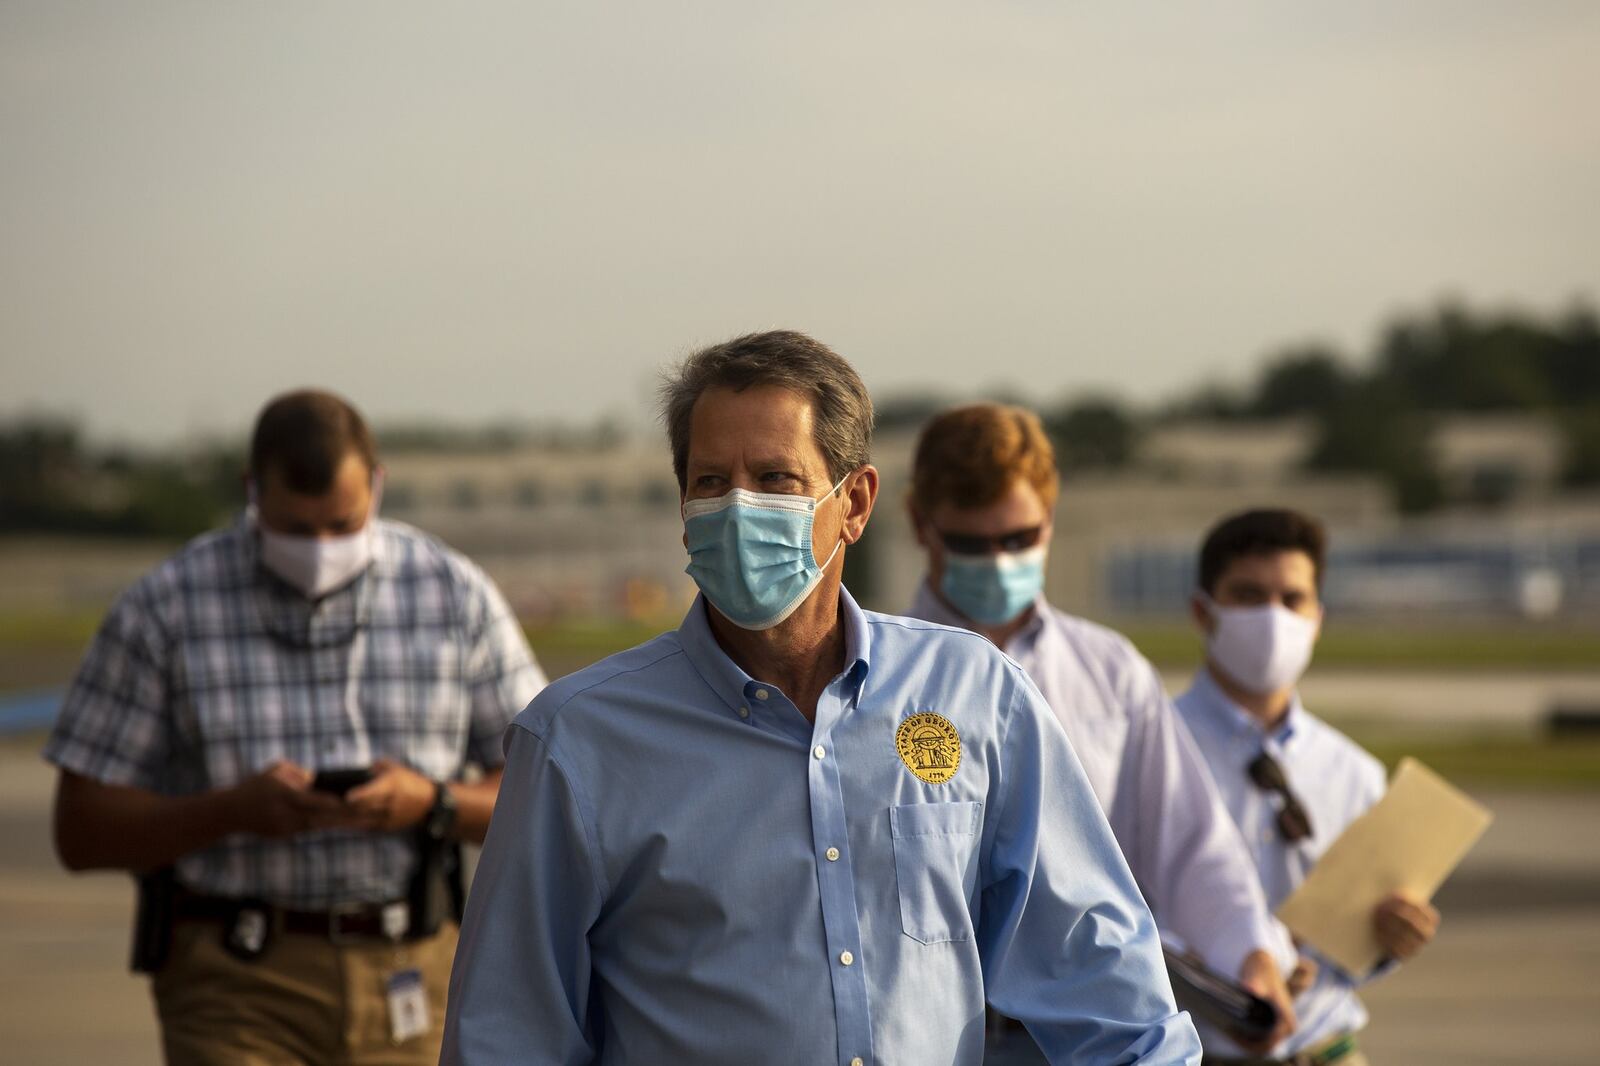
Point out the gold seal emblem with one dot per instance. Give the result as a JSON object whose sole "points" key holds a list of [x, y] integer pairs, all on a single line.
{"points": [[929, 746]]}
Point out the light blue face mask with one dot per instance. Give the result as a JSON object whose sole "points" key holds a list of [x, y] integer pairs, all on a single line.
{"points": [[750, 553], [993, 589]]}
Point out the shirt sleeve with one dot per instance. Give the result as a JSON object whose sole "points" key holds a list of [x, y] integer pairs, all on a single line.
{"points": [[1068, 946], [1185, 850], [520, 990], [115, 725], [502, 674]]}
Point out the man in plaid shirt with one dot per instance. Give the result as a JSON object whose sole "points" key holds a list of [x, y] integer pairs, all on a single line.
{"points": [[310, 636]]}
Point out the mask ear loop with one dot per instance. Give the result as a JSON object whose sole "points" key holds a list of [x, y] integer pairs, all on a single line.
{"points": [[840, 542]]}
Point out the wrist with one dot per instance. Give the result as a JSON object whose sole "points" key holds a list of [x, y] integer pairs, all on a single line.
{"points": [[439, 823]]}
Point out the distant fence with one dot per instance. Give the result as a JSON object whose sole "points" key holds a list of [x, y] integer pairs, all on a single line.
{"points": [[1532, 577]]}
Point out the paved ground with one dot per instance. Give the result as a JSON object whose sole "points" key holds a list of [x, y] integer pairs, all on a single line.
{"points": [[1512, 978]]}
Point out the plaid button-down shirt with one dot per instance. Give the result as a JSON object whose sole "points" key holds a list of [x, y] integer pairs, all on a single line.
{"points": [[209, 669]]}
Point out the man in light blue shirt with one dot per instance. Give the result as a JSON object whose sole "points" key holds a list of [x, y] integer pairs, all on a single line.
{"points": [[984, 486], [793, 831], [1291, 781]]}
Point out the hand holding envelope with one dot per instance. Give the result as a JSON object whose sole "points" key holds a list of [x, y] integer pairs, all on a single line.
{"points": [[1406, 845]]}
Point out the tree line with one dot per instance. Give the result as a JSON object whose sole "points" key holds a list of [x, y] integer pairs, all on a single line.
{"points": [[1371, 414]]}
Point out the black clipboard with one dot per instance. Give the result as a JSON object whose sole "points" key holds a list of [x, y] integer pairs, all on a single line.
{"points": [[1224, 1003]]}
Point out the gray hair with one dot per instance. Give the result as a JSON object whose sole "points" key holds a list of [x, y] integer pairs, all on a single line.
{"points": [[840, 405]]}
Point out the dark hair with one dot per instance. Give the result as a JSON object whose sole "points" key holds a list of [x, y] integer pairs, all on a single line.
{"points": [[305, 436], [1261, 532], [787, 359]]}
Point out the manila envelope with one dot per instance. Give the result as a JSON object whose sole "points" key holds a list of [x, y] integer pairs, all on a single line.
{"points": [[1408, 842]]}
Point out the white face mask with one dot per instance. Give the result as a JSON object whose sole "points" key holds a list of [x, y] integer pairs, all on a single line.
{"points": [[317, 565], [1262, 649]]}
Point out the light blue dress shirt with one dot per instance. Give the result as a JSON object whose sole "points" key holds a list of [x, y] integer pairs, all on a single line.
{"points": [[682, 869], [1183, 848], [1336, 781]]}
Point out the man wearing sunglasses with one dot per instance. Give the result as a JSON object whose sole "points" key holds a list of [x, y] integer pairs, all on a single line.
{"points": [[984, 486], [1291, 782]]}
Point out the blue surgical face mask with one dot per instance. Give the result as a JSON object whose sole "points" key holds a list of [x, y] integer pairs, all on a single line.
{"points": [[750, 553], [993, 589]]}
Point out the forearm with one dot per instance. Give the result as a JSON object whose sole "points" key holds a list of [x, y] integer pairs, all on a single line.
{"points": [[475, 805], [116, 827]]}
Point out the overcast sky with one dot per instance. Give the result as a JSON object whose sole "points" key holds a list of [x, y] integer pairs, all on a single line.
{"points": [[523, 210]]}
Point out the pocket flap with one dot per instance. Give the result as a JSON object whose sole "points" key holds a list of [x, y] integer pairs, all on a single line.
{"points": [[934, 819]]}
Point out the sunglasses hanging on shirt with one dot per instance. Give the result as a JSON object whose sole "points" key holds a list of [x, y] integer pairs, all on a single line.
{"points": [[1293, 821]]}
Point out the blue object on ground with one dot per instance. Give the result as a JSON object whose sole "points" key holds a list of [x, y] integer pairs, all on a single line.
{"points": [[25, 712]]}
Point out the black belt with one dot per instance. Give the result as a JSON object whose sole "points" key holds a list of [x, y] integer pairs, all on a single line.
{"points": [[388, 922]]}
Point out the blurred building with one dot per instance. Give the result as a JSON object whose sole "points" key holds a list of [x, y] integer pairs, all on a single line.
{"points": [[1513, 543], [595, 531]]}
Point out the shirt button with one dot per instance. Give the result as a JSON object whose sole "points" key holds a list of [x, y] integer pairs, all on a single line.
{"points": [[819, 751], [858, 1061], [744, 712], [761, 693], [833, 854], [846, 958]]}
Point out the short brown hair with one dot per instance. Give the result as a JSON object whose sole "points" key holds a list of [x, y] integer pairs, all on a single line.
{"points": [[970, 457], [304, 436], [786, 359], [1261, 532]]}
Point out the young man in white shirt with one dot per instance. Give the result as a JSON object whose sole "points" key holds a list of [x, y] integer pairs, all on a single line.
{"points": [[1291, 782]]}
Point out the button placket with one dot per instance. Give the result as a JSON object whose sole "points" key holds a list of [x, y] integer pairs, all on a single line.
{"points": [[841, 920]]}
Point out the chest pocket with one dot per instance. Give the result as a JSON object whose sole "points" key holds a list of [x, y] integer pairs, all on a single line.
{"points": [[934, 846]]}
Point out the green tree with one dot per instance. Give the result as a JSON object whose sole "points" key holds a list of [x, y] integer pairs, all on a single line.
{"points": [[1374, 430], [1090, 434], [1301, 381]]}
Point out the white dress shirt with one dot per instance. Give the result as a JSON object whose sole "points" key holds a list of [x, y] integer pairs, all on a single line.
{"points": [[1334, 779], [1187, 856]]}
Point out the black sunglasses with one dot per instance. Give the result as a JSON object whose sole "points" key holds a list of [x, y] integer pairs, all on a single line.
{"points": [[974, 544], [1293, 821]]}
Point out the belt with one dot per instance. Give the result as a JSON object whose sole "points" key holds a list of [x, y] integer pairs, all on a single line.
{"points": [[356, 922], [1324, 1054]]}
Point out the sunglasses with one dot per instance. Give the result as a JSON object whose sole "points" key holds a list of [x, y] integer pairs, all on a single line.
{"points": [[1293, 821], [974, 544]]}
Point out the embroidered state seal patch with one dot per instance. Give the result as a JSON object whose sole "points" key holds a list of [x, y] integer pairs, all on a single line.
{"points": [[929, 746]]}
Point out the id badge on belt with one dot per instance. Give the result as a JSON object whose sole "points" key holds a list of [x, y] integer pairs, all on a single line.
{"points": [[408, 1006]]}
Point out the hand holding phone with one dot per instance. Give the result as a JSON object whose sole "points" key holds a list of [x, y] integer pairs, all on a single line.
{"points": [[342, 780]]}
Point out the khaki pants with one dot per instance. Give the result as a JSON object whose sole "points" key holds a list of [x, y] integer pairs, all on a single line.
{"points": [[305, 1002]]}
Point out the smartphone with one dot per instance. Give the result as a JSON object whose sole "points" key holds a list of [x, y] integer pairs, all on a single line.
{"points": [[341, 780]]}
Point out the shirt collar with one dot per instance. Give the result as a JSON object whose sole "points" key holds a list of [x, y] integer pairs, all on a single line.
{"points": [[727, 678], [290, 617], [1222, 707]]}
